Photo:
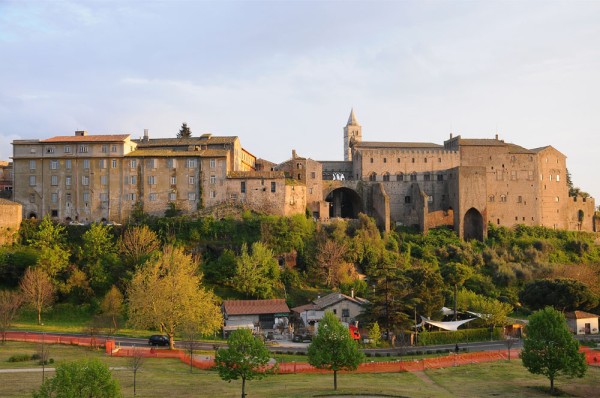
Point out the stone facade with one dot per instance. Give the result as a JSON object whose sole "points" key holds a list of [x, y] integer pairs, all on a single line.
{"points": [[6, 179], [10, 220]]}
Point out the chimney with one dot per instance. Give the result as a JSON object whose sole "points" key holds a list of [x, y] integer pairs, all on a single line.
{"points": [[293, 154], [352, 293], [450, 135], [80, 133], [496, 136], [146, 138]]}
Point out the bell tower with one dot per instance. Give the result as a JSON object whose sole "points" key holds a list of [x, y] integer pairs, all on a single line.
{"points": [[352, 134]]}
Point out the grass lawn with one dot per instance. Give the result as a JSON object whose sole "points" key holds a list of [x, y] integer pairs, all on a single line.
{"points": [[172, 378]]}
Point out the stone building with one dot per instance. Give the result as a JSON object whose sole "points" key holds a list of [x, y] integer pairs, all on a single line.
{"points": [[6, 179], [10, 220]]}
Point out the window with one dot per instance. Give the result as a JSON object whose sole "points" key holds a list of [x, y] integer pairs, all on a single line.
{"points": [[530, 175], [273, 186], [213, 163], [68, 181], [54, 180], [299, 176], [313, 175], [407, 199], [152, 197], [103, 180], [499, 175], [550, 177], [152, 163], [67, 149], [519, 199], [85, 180], [233, 196], [54, 165], [114, 163], [213, 179], [173, 180], [440, 177], [50, 149], [31, 181], [503, 198], [427, 177], [413, 177], [557, 177], [213, 194], [86, 163], [243, 187], [430, 199], [557, 199], [513, 175], [102, 163], [83, 149], [54, 197], [491, 198], [398, 160], [68, 164], [131, 197], [86, 196], [191, 163], [386, 177], [68, 196], [191, 180], [32, 165], [133, 163], [104, 148], [32, 198], [172, 163], [413, 160], [371, 160], [424, 160], [400, 177], [310, 190], [113, 148], [345, 312], [439, 160], [104, 197], [151, 180], [373, 176], [133, 180], [126, 180], [384, 160], [191, 195], [172, 196]]}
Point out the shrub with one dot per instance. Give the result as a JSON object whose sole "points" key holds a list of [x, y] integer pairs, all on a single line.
{"points": [[460, 336], [20, 358]]}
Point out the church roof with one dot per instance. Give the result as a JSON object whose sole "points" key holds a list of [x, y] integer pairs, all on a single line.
{"points": [[407, 145], [352, 119]]}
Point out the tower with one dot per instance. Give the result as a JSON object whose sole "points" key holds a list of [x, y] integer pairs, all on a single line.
{"points": [[352, 134]]}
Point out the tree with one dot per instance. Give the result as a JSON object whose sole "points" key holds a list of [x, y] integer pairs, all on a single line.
{"points": [[333, 348], [135, 363], [49, 240], [98, 256], [245, 358], [112, 305], [88, 378], [563, 294], [331, 262], [549, 349], [375, 334], [167, 292], [10, 303], [256, 273], [138, 244], [455, 274], [184, 131], [37, 289]]}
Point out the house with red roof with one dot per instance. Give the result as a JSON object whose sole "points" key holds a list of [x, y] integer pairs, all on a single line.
{"points": [[261, 316], [581, 322]]}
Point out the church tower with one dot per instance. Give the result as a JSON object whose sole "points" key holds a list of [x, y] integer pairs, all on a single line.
{"points": [[352, 134]]}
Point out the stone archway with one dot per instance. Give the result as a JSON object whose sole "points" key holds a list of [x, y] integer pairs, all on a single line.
{"points": [[473, 225], [344, 203], [32, 216]]}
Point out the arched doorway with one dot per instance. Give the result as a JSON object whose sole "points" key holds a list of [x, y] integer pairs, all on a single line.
{"points": [[473, 225], [344, 203], [32, 216]]}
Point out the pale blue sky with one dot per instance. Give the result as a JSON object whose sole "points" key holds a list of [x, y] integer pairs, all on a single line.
{"points": [[284, 75]]}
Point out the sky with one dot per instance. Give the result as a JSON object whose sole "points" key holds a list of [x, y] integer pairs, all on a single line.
{"points": [[284, 75]]}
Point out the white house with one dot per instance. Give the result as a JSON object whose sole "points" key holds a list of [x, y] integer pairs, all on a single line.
{"points": [[581, 322]]}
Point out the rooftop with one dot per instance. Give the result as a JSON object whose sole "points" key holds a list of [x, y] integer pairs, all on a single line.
{"points": [[255, 307], [88, 138]]}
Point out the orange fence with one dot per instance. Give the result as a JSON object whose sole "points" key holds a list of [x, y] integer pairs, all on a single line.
{"points": [[56, 339]]}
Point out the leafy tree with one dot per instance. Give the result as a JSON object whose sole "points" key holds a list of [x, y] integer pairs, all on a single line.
{"points": [[184, 131], [167, 292], [10, 303], [389, 304], [333, 348], [112, 305], [563, 294], [245, 358], [98, 255], [330, 261], [455, 274], [256, 273], [375, 334], [88, 378], [427, 288], [37, 290], [49, 240], [549, 348], [138, 244]]}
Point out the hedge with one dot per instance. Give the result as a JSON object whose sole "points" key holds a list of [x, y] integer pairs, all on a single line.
{"points": [[460, 336]]}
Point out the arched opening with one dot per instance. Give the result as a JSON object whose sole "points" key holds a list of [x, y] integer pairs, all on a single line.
{"points": [[32, 216], [344, 203], [473, 225]]}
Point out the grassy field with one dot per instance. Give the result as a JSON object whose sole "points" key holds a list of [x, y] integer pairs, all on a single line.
{"points": [[172, 378]]}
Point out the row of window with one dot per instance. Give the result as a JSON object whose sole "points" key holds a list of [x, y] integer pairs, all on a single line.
{"points": [[85, 180], [130, 196], [413, 160], [401, 177], [243, 186], [102, 163]]}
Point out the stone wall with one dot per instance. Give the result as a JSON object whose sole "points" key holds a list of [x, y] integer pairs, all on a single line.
{"points": [[381, 207], [10, 220]]}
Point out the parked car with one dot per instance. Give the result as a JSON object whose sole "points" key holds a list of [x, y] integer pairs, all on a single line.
{"points": [[158, 339], [302, 338]]}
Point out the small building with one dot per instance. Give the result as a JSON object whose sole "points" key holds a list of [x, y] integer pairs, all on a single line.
{"points": [[581, 322], [346, 308], [258, 315]]}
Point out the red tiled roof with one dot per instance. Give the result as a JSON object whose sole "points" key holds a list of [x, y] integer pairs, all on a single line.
{"points": [[255, 307], [88, 138], [580, 315]]}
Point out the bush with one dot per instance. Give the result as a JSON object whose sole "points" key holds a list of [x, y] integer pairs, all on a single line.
{"points": [[20, 358], [460, 336]]}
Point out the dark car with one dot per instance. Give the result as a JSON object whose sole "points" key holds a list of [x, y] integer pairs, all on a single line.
{"points": [[158, 339]]}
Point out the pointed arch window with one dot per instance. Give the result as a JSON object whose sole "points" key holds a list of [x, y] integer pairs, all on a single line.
{"points": [[400, 177], [386, 176], [413, 176], [373, 176]]}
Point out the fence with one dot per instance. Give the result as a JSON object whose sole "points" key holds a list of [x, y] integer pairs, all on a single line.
{"points": [[92, 341]]}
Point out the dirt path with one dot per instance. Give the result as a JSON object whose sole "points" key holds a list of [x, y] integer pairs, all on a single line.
{"points": [[431, 384]]}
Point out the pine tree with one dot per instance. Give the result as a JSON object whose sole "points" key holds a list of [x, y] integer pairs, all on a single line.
{"points": [[184, 131]]}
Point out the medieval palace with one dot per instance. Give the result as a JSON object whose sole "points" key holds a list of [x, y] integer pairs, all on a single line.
{"points": [[464, 183]]}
